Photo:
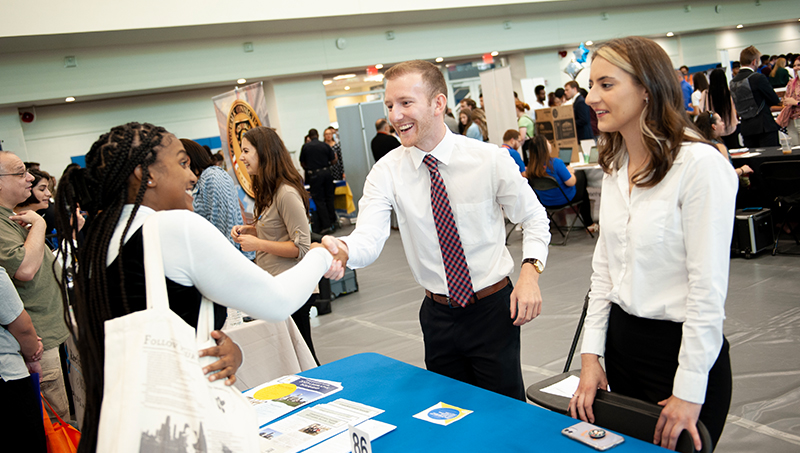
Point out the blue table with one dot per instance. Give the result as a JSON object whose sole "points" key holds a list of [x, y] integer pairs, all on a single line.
{"points": [[497, 424]]}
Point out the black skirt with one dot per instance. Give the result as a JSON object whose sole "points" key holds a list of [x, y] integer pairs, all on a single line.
{"points": [[642, 358]]}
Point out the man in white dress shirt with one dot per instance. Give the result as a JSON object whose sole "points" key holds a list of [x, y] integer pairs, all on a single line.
{"points": [[474, 338]]}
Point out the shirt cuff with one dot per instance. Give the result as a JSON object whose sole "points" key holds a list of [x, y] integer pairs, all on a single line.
{"points": [[690, 386], [535, 250], [594, 342]]}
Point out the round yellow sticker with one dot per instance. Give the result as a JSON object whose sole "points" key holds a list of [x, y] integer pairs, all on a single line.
{"points": [[274, 392]]}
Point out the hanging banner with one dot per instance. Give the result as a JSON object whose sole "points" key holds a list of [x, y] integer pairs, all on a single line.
{"points": [[237, 112]]}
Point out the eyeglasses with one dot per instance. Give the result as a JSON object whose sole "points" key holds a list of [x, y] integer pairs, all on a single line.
{"points": [[21, 175]]}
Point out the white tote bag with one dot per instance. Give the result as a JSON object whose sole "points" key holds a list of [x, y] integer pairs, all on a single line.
{"points": [[156, 398]]}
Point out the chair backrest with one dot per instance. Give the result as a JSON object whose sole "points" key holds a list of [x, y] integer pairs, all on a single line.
{"points": [[782, 178], [542, 183], [546, 183], [636, 418]]}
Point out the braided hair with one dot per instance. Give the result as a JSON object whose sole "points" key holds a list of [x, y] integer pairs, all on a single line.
{"points": [[101, 189]]}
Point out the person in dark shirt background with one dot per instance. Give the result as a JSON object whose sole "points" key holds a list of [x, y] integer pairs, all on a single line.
{"points": [[383, 141], [316, 158]]}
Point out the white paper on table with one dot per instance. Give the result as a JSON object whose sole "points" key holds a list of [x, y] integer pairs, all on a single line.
{"points": [[749, 154], [340, 443], [313, 425], [565, 387], [278, 397]]}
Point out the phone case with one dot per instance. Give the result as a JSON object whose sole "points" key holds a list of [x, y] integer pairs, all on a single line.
{"points": [[580, 432]]}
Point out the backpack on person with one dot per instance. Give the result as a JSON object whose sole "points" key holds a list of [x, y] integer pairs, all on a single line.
{"points": [[742, 94]]}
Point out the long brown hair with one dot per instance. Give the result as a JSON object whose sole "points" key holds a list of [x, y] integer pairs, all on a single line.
{"points": [[539, 157], [663, 122], [275, 168]]}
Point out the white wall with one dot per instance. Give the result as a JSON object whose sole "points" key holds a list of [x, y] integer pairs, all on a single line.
{"points": [[56, 16], [301, 104], [62, 131], [11, 133]]}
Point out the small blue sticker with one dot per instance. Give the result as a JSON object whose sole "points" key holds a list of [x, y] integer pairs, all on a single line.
{"points": [[443, 413]]}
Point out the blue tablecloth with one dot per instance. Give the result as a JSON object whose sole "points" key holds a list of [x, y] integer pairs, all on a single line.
{"points": [[498, 423]]}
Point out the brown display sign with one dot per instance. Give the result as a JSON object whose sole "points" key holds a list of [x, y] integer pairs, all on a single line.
{"points": [[241, 119], [557, 124]]}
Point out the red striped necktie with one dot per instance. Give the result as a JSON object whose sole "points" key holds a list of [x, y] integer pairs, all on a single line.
{"points": [[459, 283]]}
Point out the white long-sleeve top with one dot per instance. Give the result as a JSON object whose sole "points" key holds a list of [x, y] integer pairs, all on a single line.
{"points": [[664, 253], [196, 254], [482, 183]]}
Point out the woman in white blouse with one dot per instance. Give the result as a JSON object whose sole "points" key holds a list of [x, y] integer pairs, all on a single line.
{"points": [[661, 263]]}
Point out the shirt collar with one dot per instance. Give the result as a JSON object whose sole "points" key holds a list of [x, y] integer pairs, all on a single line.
{"points": [[442, 152]]}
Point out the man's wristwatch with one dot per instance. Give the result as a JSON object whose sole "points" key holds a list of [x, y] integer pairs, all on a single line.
{"points": [[536, 264]]}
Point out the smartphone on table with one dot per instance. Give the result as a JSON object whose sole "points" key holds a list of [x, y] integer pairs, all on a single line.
{"points": [[593, 436]]}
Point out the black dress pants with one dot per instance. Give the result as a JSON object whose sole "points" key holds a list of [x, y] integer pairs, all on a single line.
{"points": [[478, 344], [323, 192], [21, 417], [762, 140], [641, 360], [303, 321]]}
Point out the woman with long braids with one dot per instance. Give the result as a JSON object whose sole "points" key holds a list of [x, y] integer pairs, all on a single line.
{"points": [[657, 300], [281, 235], [131, 172]]}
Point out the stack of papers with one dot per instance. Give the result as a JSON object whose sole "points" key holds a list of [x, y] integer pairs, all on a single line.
{"points": [[313, 425], [283, 395], [340, 443]]}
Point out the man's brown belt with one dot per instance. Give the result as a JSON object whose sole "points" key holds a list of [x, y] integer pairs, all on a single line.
{"points": [[482, 294]]}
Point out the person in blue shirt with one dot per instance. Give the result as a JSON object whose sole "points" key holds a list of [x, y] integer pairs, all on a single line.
{"points": [[471, 129], [572, 185], [511, 142], [687, 90]]}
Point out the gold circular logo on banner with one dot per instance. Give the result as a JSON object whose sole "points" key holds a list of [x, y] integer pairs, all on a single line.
{"points": [[241, 119]]}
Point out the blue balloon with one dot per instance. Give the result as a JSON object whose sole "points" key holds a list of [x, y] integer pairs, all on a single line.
{"points": [[581, 53]]}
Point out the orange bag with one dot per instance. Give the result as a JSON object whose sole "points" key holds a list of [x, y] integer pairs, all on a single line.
{"points": [[61, 436]]}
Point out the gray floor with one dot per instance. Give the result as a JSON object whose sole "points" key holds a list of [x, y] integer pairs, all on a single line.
{"points": [[762, 325]]}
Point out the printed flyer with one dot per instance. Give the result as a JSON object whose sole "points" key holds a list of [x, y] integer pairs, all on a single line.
{"points": [[283, 395]]}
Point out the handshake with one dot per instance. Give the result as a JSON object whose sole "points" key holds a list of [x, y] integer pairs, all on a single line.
{"points": [[338, 249]]}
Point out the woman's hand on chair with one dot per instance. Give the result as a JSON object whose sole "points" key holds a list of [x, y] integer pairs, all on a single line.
{"points": [[592, 378], [676, 416], [230, 358]]}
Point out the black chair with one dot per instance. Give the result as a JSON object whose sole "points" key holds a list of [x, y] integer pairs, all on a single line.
{"points": [[625, 415], [546, 183], [782, 183]]}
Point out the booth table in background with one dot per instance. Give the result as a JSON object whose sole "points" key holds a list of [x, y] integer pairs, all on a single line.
{"points": [[755, 195], [271, 350], [497, 424]]}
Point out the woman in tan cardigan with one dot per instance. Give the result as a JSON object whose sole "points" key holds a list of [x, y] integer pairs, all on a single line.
{"points": [[281, 235]]}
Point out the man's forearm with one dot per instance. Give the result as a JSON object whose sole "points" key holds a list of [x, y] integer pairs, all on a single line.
{"points": [[34, 252]]}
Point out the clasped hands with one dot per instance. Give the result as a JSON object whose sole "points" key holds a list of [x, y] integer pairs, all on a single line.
{"points": [[339, 250]]}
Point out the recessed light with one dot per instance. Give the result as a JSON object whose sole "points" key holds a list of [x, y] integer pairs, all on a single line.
{"points": [[241, 81], [378, 66], [346, 88], [69, 99], [495, 53], [670, 34], [327, 82], [344, 76], [439, 59], [740, 26], [589, 43]]}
